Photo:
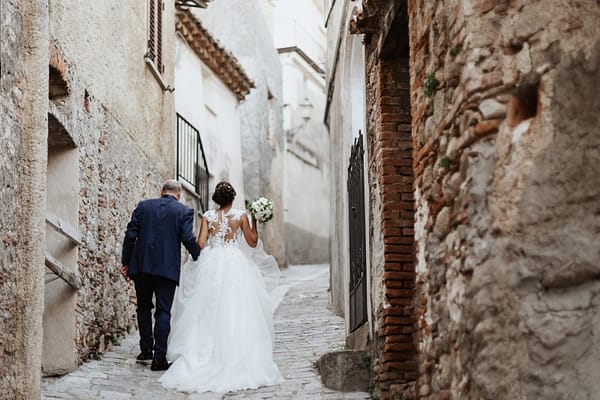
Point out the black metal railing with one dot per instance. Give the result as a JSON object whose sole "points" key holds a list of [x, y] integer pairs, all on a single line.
{"points": [[191, 160], [358, 265]]}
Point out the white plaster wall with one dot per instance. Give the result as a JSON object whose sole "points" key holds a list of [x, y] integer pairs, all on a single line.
{"points": [[60, 301], [203, 100], [306, 193], [336, 23], [241, 27], [300, 24], [338, 199], [307, 168], [307, 165], [346, 116], [223, 138], [268, 10]]}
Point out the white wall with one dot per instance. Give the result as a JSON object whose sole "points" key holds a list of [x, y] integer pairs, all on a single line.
{"points": [[241, 27], [346, 116], [203, 100], [306, 193], [298, 24], [268, 9], [59, 354]]}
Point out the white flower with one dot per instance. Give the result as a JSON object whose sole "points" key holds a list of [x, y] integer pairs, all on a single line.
{"points": [[261, 209]]}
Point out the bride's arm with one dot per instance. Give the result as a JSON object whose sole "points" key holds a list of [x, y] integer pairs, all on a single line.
{"points": [[250, 233], [203, 233]]}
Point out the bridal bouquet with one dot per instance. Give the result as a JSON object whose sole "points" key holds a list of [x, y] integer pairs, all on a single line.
{"points": [[261, 209]]}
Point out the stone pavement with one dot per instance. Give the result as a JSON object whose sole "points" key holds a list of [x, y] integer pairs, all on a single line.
{"points": [[305, 328]]}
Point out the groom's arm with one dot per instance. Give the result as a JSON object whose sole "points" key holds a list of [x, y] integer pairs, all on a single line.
{"points": [[131, 235], [187, 234]]}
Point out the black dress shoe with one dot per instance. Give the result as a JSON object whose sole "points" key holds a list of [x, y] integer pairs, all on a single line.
{"points": [[160, 365], [145, 357]]}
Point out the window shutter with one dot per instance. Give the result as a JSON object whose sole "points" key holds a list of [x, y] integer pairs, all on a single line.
{"points": [[159, 14], [156, 8], [152, 27]]}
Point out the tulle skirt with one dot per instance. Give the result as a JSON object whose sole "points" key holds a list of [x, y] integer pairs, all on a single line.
{"points": [[222, 326]]}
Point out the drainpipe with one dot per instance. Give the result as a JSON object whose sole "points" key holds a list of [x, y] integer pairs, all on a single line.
{"points": [[31, 237]]}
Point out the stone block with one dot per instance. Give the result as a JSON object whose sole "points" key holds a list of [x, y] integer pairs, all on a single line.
{"points": [[345, 370], [491, 108]]}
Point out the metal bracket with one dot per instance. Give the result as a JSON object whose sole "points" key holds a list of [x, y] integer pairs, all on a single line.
{"points": [[71, 278]]}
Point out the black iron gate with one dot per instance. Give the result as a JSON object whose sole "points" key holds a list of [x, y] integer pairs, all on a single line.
{"points": [[191, 160], [358, 265]]}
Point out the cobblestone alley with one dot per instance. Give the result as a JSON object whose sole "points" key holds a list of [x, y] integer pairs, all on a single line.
{"points": [[305, 328]]}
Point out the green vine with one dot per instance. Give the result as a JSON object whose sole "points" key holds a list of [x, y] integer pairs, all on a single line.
{"points": [[445, 162], [454, 51], [430, 84]]}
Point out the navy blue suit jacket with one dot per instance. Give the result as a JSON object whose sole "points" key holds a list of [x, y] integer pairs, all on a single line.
{"points": [[152, 243]]}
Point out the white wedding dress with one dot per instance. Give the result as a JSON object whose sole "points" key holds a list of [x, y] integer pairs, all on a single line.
{"points": [[222, 319]]}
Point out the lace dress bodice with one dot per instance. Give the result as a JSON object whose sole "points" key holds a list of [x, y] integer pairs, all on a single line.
{"points": [[224, 228]]}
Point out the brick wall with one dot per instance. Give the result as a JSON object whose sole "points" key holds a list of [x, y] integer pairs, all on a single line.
{"points": [[392, 207]]}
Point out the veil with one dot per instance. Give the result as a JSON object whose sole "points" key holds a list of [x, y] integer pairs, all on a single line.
{"points": [[266, 263]]}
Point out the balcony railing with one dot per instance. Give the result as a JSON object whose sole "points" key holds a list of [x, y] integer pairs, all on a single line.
{"points": [[191, 160]]}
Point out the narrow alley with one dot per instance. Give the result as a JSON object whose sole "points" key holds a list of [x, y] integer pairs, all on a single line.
{"points": [[430, 173], [305, 328]]}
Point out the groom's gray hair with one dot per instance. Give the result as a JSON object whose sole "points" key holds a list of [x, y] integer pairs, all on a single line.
{"points": [[172, 186]]}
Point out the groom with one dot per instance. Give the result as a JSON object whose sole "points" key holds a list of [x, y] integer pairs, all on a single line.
{"points": [[152, 258]]}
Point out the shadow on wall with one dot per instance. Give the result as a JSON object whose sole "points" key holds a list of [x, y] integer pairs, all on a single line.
{"points": [[304, 247]]}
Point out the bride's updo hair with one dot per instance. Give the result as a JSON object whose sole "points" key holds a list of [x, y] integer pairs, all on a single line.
{"points": [[224, 194]]}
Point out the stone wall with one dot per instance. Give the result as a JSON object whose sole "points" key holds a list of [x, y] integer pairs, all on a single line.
{"points": [[504, 133], [507, 197], [124, 141], [23, 126], [109, 64], [115, 174], [125, 137]]}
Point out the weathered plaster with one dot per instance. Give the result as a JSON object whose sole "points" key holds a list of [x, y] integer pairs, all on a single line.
{"points": [[23, 94]]}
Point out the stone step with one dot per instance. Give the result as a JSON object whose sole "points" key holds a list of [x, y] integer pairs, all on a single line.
{"points": [[345, 370]]}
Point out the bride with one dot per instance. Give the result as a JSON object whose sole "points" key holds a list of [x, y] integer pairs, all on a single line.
{"points": [[222, 329]]}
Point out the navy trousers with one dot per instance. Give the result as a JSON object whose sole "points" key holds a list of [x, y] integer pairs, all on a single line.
{"points": [[163, 290]]}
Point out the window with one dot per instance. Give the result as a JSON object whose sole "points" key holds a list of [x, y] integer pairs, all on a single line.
{"points": [[155, 14]]}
